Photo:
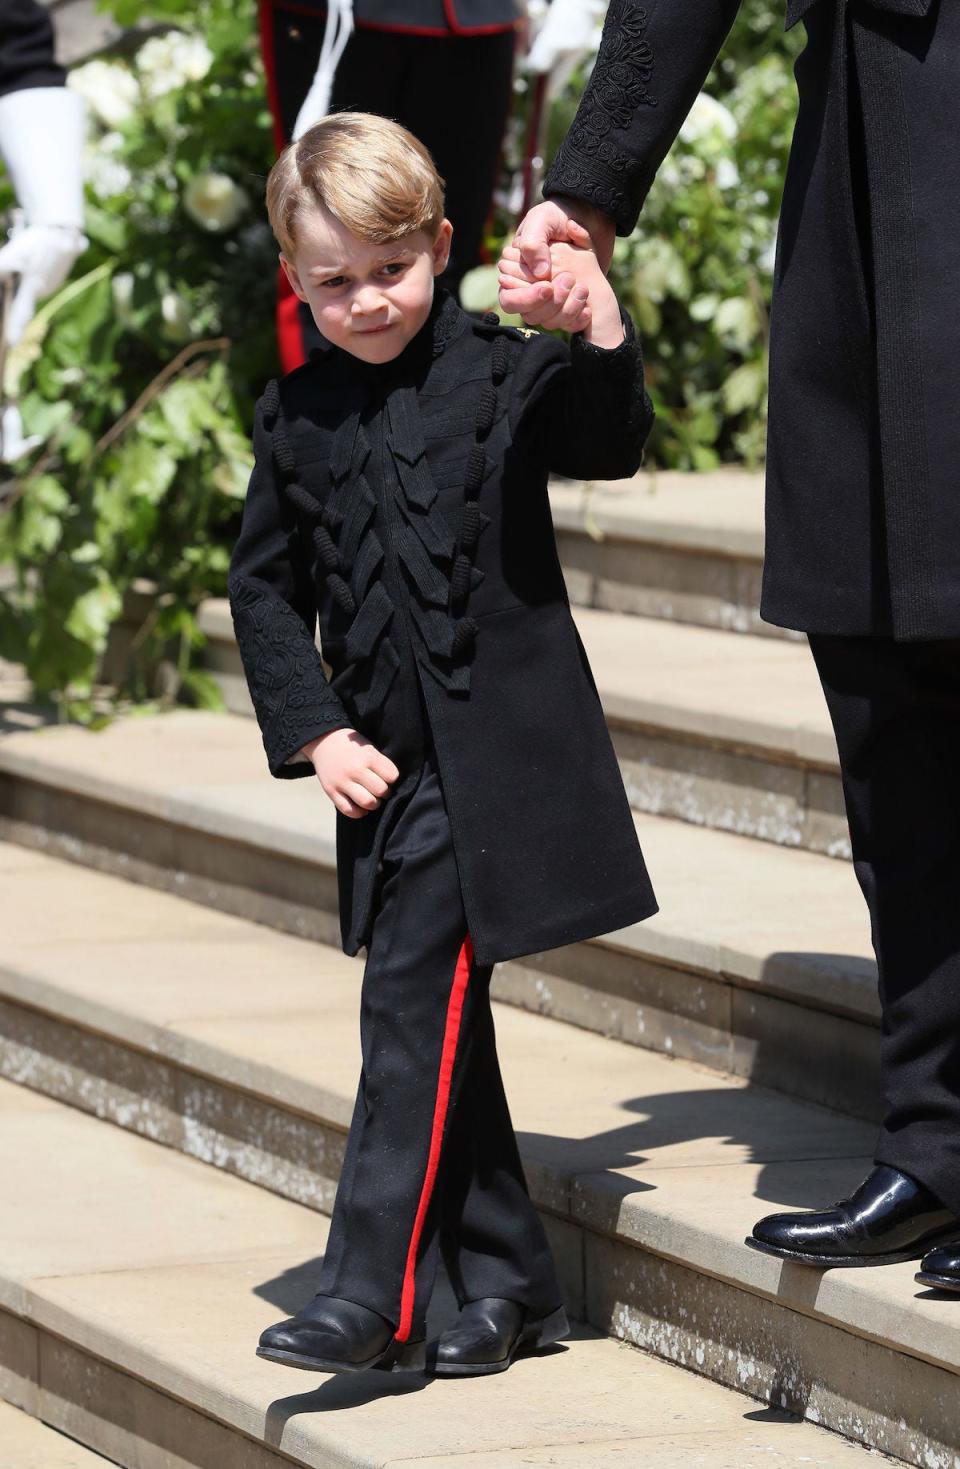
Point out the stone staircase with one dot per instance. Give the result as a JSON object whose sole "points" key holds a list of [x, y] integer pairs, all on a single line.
{"points": [[170, 966]]}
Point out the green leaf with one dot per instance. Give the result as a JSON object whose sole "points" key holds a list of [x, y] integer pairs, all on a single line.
{"points": [[92, 615]]}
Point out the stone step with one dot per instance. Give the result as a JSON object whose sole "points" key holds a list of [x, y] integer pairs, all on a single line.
{"points": [[239, 1047], [26, 1443], [730, 733], [759, 962], [683, 547], [134, 1331]]}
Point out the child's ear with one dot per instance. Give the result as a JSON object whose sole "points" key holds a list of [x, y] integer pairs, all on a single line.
{"points": [[441, 247], [290, 271]]}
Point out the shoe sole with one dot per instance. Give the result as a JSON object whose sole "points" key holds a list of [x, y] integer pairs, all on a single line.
{"points": [[533, 1337], [938, 1282], [852, 1262], [395, 1357]]}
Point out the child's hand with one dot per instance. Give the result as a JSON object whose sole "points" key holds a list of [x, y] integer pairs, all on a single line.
{"points": [[353, 773], [582, 294]]}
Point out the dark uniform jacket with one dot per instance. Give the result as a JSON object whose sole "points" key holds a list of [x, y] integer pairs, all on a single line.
{"points": [[407, 504], [26, 47], [863, 525], [425, 17]]}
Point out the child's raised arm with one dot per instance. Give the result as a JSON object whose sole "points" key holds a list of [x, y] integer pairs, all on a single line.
{"points": [[582, 409]]}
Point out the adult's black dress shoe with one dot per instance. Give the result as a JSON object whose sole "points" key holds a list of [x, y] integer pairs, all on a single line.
{"points": [[491, 1333], [890, 1218], [940, 1269], [330, 1335]]}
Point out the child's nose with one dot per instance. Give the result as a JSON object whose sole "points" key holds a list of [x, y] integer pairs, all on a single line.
{"points": [[367, 300]]}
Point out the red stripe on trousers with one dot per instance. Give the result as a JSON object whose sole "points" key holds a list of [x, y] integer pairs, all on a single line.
{"points": [[448, 1055]]}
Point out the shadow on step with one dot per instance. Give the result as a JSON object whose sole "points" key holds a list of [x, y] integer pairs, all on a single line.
{"points": [[803, 1153]]}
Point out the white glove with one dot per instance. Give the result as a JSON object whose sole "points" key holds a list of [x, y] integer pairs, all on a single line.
{"points": [[42, 256], [41, 139], [569, 32]]}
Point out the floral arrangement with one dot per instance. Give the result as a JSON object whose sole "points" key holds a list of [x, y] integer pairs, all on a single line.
{"points": [[139, 376]]}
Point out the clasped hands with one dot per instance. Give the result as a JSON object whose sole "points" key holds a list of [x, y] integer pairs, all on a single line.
{"points": [[553, 273]]}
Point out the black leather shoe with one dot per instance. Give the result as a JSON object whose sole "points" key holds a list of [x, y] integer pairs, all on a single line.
{"points": [[491, 1333], [890, 1218], [329, 1335], [940, 1269]]}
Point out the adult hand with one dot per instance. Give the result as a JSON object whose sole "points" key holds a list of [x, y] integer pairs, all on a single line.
{"points": [[353, 772], [556, 220]]}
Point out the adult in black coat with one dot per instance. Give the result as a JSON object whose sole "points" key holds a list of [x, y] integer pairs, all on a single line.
{"points": [[863, 535]]}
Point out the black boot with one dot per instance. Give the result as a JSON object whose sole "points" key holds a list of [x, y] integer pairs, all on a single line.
{"points": [[890, 1218], [491, 1333], [329, 1335], [940, 1269]]}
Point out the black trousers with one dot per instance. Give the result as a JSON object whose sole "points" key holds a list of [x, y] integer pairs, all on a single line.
{"points": [[431, 1163], [896, 713], [452, 92]]}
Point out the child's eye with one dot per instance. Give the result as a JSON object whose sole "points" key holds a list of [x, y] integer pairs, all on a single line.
{"points": [[335, 280], [395, 267]]}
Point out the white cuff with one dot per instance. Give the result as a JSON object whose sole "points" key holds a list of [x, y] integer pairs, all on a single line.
{"points": [[41, 138]]}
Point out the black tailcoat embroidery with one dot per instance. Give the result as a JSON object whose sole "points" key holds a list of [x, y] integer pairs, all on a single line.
{"points": [[407, 505], [863, 535]]}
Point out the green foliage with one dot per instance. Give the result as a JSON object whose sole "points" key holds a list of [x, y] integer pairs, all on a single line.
{"points": [[139, 376]]}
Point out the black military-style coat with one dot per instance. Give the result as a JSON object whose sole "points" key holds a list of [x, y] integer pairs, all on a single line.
{"points": [[407, 505], [26, 47], [863, 527]]}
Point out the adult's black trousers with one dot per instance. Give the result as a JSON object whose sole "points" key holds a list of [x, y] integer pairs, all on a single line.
{"points": [[431, 1165], [896, 713], [452, 92]]}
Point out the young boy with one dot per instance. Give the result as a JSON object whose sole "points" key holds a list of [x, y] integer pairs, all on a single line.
{"points": [[400, 491]]}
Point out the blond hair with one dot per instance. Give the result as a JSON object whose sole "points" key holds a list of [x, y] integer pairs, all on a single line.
{"points": [[373, 175]]}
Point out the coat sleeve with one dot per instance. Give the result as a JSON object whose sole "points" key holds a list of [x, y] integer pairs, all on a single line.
{"points": [[26, 47], [582, 410], [653, 59], [274, 609]]}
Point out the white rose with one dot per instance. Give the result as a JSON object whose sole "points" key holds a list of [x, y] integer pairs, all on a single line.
{"points": [[166, 63], [214, 201], [176, 315], [107, 176], [109, 90], [708, 116]]}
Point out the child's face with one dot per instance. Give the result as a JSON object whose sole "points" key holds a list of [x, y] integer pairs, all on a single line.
{"points": [[371, 300]]}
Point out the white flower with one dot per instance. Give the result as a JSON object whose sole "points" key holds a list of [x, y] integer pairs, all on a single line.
{"points": [[106, 174], [109, 90], [736, 322], [166, 63], [122, 288], [727, 174], [175, 311], [214, 201], [708, 117]]}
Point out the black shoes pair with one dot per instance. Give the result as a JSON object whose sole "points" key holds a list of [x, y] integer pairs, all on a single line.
{"points": [[330, 1335], [890, 1218]]}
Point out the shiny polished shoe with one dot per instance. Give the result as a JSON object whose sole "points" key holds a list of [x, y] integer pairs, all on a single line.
{"points": [[940, 1268], [491, 1333], [330, 1335], [890, 1218]]}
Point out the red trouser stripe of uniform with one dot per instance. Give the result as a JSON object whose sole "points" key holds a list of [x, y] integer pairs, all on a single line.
{"points": [[448, 1054]]}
